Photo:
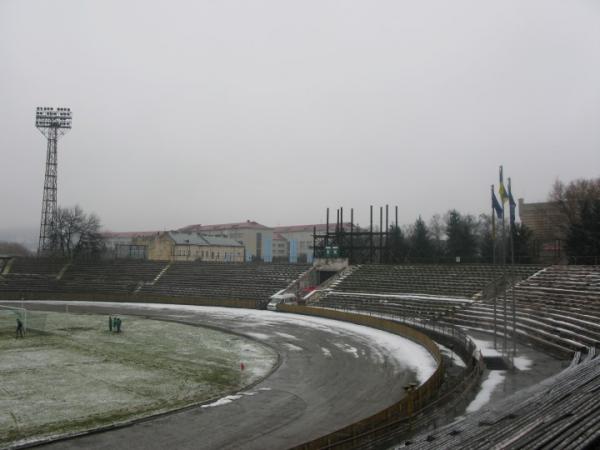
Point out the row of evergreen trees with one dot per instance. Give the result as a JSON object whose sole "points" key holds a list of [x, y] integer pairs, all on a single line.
{"points": [[454, 236], [443, 239]]}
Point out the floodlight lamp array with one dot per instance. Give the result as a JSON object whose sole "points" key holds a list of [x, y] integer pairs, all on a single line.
{"points": [[48, 117]]}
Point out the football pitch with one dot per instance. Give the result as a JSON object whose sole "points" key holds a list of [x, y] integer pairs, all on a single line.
{"points": [[76, 375]]}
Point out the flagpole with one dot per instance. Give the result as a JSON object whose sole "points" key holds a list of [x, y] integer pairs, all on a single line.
{"points": [[503, 221], [503, 237], [493, 230], [504, 278], [512, 224]]}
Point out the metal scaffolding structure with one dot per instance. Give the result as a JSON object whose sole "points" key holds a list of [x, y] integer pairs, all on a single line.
{"points": [[52, 123], [359, 245]]}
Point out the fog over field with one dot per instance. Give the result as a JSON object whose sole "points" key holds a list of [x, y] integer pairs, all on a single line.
{"points": [[207, 112]]}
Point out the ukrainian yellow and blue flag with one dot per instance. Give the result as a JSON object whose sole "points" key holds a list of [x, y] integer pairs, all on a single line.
{"points": [[502, 189], [496, 206]]}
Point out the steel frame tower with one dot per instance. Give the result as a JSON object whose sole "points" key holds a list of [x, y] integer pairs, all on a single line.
{"points": [[52, 123]]}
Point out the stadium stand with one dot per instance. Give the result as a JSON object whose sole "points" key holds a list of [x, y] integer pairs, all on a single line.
{"points": [[31, 274], [37, 266], [424, 292], [562, 412], [225, 280], [158, 278], [457, 280], [557, 309], [402, 305], [113, 276]]}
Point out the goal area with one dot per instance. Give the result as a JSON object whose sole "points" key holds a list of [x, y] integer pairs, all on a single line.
{"points": [[32, 320]]}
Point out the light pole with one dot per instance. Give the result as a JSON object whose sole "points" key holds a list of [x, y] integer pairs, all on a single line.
{"points": [[52, 123]]}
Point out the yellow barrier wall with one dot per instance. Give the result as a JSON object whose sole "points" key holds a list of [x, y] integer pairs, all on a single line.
{"points": [[374, 425]]}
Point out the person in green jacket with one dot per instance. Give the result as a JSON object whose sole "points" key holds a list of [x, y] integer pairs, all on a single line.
{"points": [[19, 328]]}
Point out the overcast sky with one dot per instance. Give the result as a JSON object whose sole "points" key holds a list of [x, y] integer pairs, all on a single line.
{"points": [[218, 111]]}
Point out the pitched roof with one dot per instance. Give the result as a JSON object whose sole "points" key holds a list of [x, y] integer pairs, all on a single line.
{"points": [[187, 238], [182, 238], [127, 234], [249, 224], [222, 241], [310, 227]]}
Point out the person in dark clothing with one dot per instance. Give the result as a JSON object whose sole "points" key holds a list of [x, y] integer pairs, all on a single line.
{"points": [[19, 328], [110, 323]]}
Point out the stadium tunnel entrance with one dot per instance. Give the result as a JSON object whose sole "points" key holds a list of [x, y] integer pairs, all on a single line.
{"points": [[324, 275], [326, 268]]}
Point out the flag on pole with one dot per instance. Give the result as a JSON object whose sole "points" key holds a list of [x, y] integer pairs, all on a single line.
{"points": [[512, 205], [502, 189], [496, 206]]}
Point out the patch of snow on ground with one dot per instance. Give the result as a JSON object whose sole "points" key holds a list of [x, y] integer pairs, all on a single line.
{"points": [[347, 349], [494, 378], [260, 336], [256, 363], [402, 353], [292, 347], [286, 336], [523, 362], [326, 352], [486, 347], [222, 401]]}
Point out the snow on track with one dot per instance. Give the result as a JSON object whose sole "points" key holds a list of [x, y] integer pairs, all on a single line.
{"points": [[402, 353]]}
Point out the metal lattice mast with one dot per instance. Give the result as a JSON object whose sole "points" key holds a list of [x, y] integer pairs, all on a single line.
{"points": [[52, 123]]}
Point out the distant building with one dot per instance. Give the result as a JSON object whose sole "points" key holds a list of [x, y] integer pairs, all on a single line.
{"points": [[292, 244], [548, 223], [190, 246], [281, 248], [256, 238], [299, 240]]}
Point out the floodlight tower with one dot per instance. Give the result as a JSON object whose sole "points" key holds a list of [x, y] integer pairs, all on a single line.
{"points": [[52, 123]]}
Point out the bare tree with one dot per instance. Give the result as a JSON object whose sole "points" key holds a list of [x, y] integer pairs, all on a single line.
{"points": [[580, 202], [76, 234], [571, 197]]}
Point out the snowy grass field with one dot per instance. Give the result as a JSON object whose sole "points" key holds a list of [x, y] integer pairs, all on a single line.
{"points": [[77, 376]]}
